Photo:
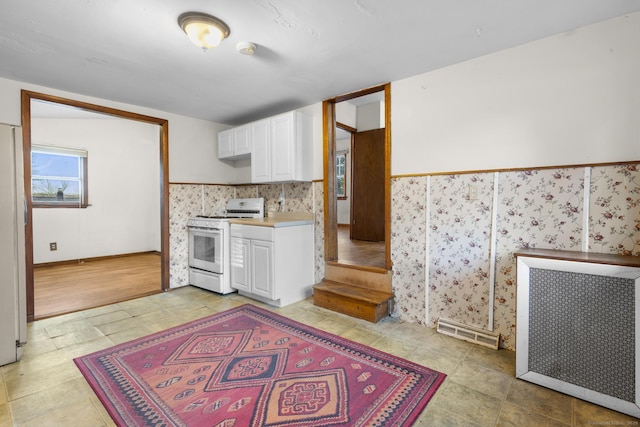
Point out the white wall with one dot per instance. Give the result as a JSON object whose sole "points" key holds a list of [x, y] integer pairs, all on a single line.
{"points": [[192, 142], [346, 113], [193, 152], [370, 116], [124, 193], [568, 99]]}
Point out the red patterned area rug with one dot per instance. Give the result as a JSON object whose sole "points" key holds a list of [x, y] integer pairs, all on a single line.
{"points": [[250, 367]]}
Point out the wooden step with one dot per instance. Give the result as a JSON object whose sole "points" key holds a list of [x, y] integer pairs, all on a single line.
{"points": [[355, 301], [365, 277]]}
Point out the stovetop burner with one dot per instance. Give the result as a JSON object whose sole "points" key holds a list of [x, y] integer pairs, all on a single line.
{"points": [[235, 208]]}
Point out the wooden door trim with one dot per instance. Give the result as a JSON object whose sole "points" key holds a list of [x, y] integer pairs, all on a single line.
{"points": [[330, 203], [329, 160], [26, 97], [346, 127], [387, 176]]}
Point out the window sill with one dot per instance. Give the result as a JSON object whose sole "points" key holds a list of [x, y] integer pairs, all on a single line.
{"points": [[59, 206]]}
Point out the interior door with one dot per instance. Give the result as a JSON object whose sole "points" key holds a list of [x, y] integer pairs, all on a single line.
{"points": [[367, 188]]}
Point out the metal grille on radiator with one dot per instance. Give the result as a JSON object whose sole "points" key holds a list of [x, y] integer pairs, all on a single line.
{"points": [[582, 330]]}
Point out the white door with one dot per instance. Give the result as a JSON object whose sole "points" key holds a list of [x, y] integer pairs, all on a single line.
{"points": [[262, 269], [242, 140], [13, 303], [240, 273], [225, 144], [283, 148], [260, 151]]}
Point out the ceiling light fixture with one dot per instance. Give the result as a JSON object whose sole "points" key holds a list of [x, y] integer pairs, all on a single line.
{"points": [[204, 30]]}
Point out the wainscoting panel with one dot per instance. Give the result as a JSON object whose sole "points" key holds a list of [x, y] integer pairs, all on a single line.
{"points": [[537, 208], [460, 245], [408, 246], [614, 222]]}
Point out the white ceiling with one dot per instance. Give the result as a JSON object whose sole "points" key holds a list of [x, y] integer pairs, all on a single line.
{"points": [[307, 51]]}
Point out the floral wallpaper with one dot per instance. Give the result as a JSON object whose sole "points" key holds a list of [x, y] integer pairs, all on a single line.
{"points": [[460, 244], [271, 194], [215, 198], [188, 200], [536, 208], [185, 201], [408, 246], [246, 191], [614, 218], [298, 197], [318, 200]]}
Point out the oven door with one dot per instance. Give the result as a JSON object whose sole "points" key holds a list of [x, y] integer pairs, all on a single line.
{"points": [[205, 249]]}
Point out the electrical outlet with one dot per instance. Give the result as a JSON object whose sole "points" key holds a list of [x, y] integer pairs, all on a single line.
{"points": [[53, 246], [473, 192]]}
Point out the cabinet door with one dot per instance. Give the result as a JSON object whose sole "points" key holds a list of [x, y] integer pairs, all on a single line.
{"points": [[225, 143], [262, 268], [283, 147], [260, 152], [240, 264], [242, 140]]}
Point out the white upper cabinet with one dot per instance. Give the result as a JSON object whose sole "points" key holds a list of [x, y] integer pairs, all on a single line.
{"points": [[234, 143], [261, 151], [280, 147], [242, 141], [284, 153], [225, 144]]}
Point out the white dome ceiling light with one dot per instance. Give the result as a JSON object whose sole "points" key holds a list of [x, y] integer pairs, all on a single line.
{"points": [[205, 31]]}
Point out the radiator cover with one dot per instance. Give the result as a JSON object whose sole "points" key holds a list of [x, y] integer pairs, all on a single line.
{"points": [[577, 330]]}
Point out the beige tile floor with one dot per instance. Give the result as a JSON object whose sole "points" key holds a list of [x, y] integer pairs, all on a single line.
{"points": [[46, 389]]}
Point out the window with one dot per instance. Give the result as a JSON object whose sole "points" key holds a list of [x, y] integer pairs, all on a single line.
{"points": [[58, 177], [341, 176]]}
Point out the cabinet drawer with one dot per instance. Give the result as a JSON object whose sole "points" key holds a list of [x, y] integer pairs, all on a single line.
{"points": [[252, 232]]}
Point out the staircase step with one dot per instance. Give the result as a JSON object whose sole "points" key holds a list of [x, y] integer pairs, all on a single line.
{"points": [[355, 301], [370, 279]]}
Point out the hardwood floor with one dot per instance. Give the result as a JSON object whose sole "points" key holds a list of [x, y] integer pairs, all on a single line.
{"points": [[359, 252], [67, 287]]}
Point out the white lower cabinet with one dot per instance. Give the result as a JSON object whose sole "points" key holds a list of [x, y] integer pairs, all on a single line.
{"points": [[272, 264]]}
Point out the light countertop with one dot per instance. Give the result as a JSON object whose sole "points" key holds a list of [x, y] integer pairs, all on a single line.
{"points": [[278, 219]]}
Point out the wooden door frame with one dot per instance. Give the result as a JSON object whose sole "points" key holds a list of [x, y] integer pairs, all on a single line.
{"points": [[352, 132], [26, 97], [329, 159]]}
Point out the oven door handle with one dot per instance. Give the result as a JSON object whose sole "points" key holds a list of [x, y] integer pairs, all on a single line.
{"points": [[206, 230]]}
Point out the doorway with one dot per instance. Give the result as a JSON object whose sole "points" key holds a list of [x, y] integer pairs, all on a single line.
{"points": [[334, 233], [26, 99], [367, 182]]}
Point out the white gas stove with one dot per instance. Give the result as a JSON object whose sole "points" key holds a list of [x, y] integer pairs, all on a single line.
{"points": [[209, 257]]}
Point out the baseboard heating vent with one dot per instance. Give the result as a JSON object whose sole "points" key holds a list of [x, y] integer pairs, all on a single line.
{"points": [[468, 333]]}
